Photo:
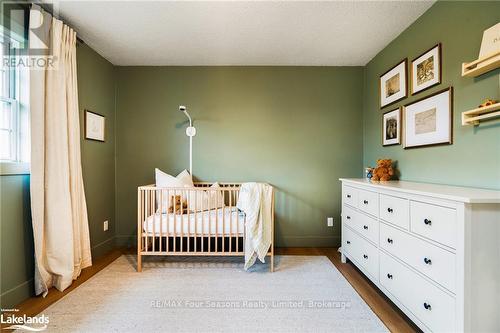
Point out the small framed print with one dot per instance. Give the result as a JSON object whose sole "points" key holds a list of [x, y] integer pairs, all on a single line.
{"points": [[393, 84], [428, 121], [391, 128], [426, 70], [95, 125]]}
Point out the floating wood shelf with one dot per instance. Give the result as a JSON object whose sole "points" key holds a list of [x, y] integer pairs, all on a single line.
{"points": [[481, 65], [473, 117]]}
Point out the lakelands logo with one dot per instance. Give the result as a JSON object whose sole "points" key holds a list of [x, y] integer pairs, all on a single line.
{"points": [[24, 322]]}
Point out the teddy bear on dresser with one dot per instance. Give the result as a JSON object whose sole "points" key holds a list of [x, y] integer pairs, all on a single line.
{"points": [[383, 171]]}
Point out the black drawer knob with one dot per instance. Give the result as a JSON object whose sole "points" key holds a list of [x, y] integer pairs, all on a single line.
{"points": [[348, 195], [389, 240], [348, 217], [427, 261], [427, 222], [389, 276], [365, 227], [365, 256], [348, 242], [427, 306], [390, 210], [365, 202]]}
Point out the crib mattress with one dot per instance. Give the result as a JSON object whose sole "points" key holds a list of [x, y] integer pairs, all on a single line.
{"points": [[227, 220]]}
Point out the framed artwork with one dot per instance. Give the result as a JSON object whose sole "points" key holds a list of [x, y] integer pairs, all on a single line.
{"points": [[426, 70], [393, 84], [391, 128], [95, 125], [428, 121]]}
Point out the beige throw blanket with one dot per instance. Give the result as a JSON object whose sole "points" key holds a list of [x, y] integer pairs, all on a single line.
{"points": [[255, 200]]}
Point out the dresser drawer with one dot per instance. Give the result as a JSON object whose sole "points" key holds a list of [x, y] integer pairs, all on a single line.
{"points": [[434, 222], [368, 202], [430, 260], [395, 210], [432, 306], [350, 195], [363, 224], [361, 250]]}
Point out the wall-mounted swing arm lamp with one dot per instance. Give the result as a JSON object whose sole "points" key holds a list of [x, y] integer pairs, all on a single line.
{"points": [[190, 131]]}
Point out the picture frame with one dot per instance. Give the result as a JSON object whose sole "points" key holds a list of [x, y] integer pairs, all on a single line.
{"points": [[95, 126], [429, 120], [393, 84], [391, 128], [426, 69]]}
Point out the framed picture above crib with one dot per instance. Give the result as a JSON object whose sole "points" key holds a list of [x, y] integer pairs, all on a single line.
{"points": [[95, 126]]}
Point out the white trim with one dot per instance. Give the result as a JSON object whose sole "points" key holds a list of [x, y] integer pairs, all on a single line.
{"points": [[14, 168]]}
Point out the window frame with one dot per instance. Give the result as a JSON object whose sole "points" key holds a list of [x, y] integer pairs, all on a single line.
{"points": [[14, 165]]}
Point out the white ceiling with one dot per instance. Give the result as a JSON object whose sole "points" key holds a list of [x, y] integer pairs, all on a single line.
{"points": [[317, 33]]}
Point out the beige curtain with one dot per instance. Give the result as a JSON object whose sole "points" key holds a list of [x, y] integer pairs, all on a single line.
{"points": [[59, 211]]}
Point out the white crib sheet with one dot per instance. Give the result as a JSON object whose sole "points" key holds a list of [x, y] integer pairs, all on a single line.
{"points": [[212, 222]]}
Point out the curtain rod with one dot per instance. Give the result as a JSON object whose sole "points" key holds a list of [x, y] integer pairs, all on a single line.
{"points": [[78, 39]]}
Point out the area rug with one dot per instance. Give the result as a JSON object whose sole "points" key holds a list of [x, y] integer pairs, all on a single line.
{"points": [[304, 294]]}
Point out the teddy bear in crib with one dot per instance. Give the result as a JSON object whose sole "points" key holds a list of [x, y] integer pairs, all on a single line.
{"points": [[383, 171], [177, 205]]}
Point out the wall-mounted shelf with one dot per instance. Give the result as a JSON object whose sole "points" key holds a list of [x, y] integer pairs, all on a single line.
{"points": [[473, 117], [481, 65]]}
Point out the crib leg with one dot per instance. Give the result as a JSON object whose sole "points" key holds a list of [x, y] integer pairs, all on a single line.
{"points": [[139, 263]]}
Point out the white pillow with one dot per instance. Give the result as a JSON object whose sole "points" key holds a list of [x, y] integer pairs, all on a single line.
{"points": [[163, 180], [206, 200]]}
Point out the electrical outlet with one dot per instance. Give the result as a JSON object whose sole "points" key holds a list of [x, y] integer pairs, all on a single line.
{"points": [[329, 221], [106, 227]]}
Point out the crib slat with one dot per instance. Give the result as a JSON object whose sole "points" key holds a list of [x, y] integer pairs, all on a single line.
{"points": [[195, 219], [237, 227], [202, 225], [209, 215], [161, 219], [230, 222], [168, 220], [223, 220], [183, 222], [146, 212], [216, 222], [175, 221], [153, 204]]}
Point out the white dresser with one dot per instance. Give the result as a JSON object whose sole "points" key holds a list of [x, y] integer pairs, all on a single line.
{"points": [[434, 250]]}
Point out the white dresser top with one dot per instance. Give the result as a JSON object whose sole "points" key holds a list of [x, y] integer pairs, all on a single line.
{"points": [[455, 193]]}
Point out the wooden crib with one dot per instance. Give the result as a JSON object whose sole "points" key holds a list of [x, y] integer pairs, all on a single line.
{"points": [[199, 221]]}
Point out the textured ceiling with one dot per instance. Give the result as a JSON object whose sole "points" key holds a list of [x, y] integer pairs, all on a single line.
{"points": [[326, 33]]}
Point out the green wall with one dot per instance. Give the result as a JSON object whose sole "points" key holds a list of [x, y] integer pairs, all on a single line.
{"points": [[96, 89], [298, 128], [96, 93], [16, 240], [474, 157]]}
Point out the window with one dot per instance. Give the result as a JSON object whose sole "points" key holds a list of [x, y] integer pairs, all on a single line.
{"points": [[9, 125], [14, 120]]}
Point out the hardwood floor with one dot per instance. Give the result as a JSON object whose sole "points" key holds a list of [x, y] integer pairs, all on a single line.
{"points": [[390, 315]]}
